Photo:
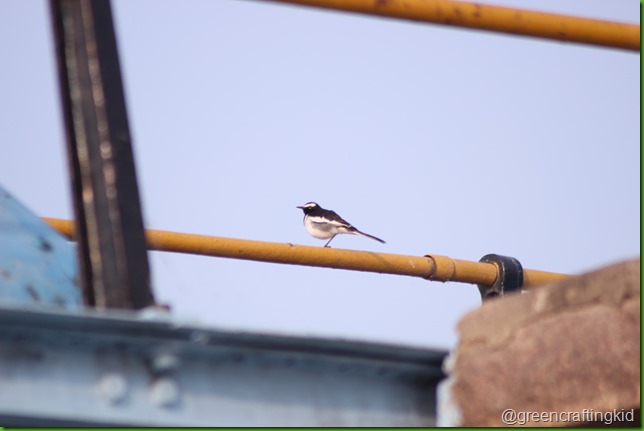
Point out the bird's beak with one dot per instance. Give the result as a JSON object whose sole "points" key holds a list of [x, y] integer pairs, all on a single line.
{"points": [[300, 208]]}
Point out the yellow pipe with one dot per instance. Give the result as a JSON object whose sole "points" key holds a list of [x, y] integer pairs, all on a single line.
{"points": [[430, 267], [494, 18]]}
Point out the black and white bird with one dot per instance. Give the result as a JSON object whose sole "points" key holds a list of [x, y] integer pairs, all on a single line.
{"points": [[326, 224]]}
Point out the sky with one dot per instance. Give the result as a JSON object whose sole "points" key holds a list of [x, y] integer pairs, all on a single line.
{"points": [[438, 140]]}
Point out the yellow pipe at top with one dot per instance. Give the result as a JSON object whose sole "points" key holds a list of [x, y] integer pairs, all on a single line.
{"points": [[430, 267], [494, 18]]}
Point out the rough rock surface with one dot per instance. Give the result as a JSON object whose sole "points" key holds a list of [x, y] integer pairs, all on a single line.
{"points": [[560, 348]]}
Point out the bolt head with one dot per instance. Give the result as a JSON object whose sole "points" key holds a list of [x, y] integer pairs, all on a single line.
{"points": [[113, 388], [165, 392]]}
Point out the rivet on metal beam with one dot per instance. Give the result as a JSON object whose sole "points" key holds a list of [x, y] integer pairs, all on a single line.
{"points": [[113, 388], [165, 392]]}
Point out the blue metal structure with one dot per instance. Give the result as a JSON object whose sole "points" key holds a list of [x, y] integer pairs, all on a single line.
{"points": [[65, 364], [37, 265], [128, 369]]}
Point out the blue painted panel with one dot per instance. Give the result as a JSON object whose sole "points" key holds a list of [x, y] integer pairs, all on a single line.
{"points": [[37, 265], [124, 368]]}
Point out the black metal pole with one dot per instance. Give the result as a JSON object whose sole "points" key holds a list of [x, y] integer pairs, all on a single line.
{"points": [[114, 270]]}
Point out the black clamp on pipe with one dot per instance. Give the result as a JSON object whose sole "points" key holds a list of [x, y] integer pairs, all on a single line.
{"points": [[509, 279]]}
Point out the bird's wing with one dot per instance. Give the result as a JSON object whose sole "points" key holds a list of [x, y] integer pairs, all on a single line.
{"points": [[330, 217], [335, 219]]}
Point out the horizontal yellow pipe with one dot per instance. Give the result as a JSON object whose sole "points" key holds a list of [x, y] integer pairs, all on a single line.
{"points": [[430, 267], [494, 18]]}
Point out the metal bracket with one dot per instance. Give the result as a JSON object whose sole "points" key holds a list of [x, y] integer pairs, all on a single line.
{"points": [[509, 279]]}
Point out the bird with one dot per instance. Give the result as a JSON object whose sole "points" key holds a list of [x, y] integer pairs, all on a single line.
{"points": [[323, 224]]}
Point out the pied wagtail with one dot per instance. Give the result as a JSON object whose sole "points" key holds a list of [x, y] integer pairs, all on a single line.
{"points": [[323, 224]]}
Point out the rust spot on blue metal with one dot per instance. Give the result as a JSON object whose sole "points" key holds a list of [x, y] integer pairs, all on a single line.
{"points": [[32, 293], [44, 245], [5, 273]]}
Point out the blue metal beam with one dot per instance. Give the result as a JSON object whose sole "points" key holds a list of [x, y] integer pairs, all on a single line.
{"points": [[141, 369]]}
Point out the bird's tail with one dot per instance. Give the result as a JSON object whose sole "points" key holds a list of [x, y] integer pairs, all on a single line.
{"points": [[369, 236]]}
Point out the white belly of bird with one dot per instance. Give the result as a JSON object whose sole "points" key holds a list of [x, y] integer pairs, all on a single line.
{"points": [[323, 230]]}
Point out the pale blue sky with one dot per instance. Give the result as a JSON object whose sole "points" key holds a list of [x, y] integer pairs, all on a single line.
{"points": [[438, 140]]}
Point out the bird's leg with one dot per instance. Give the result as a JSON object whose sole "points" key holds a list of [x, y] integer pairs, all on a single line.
{"points": [[327, 243]]}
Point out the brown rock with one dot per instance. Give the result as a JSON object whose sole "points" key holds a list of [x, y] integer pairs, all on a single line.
{"points": [[566, 351]]}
